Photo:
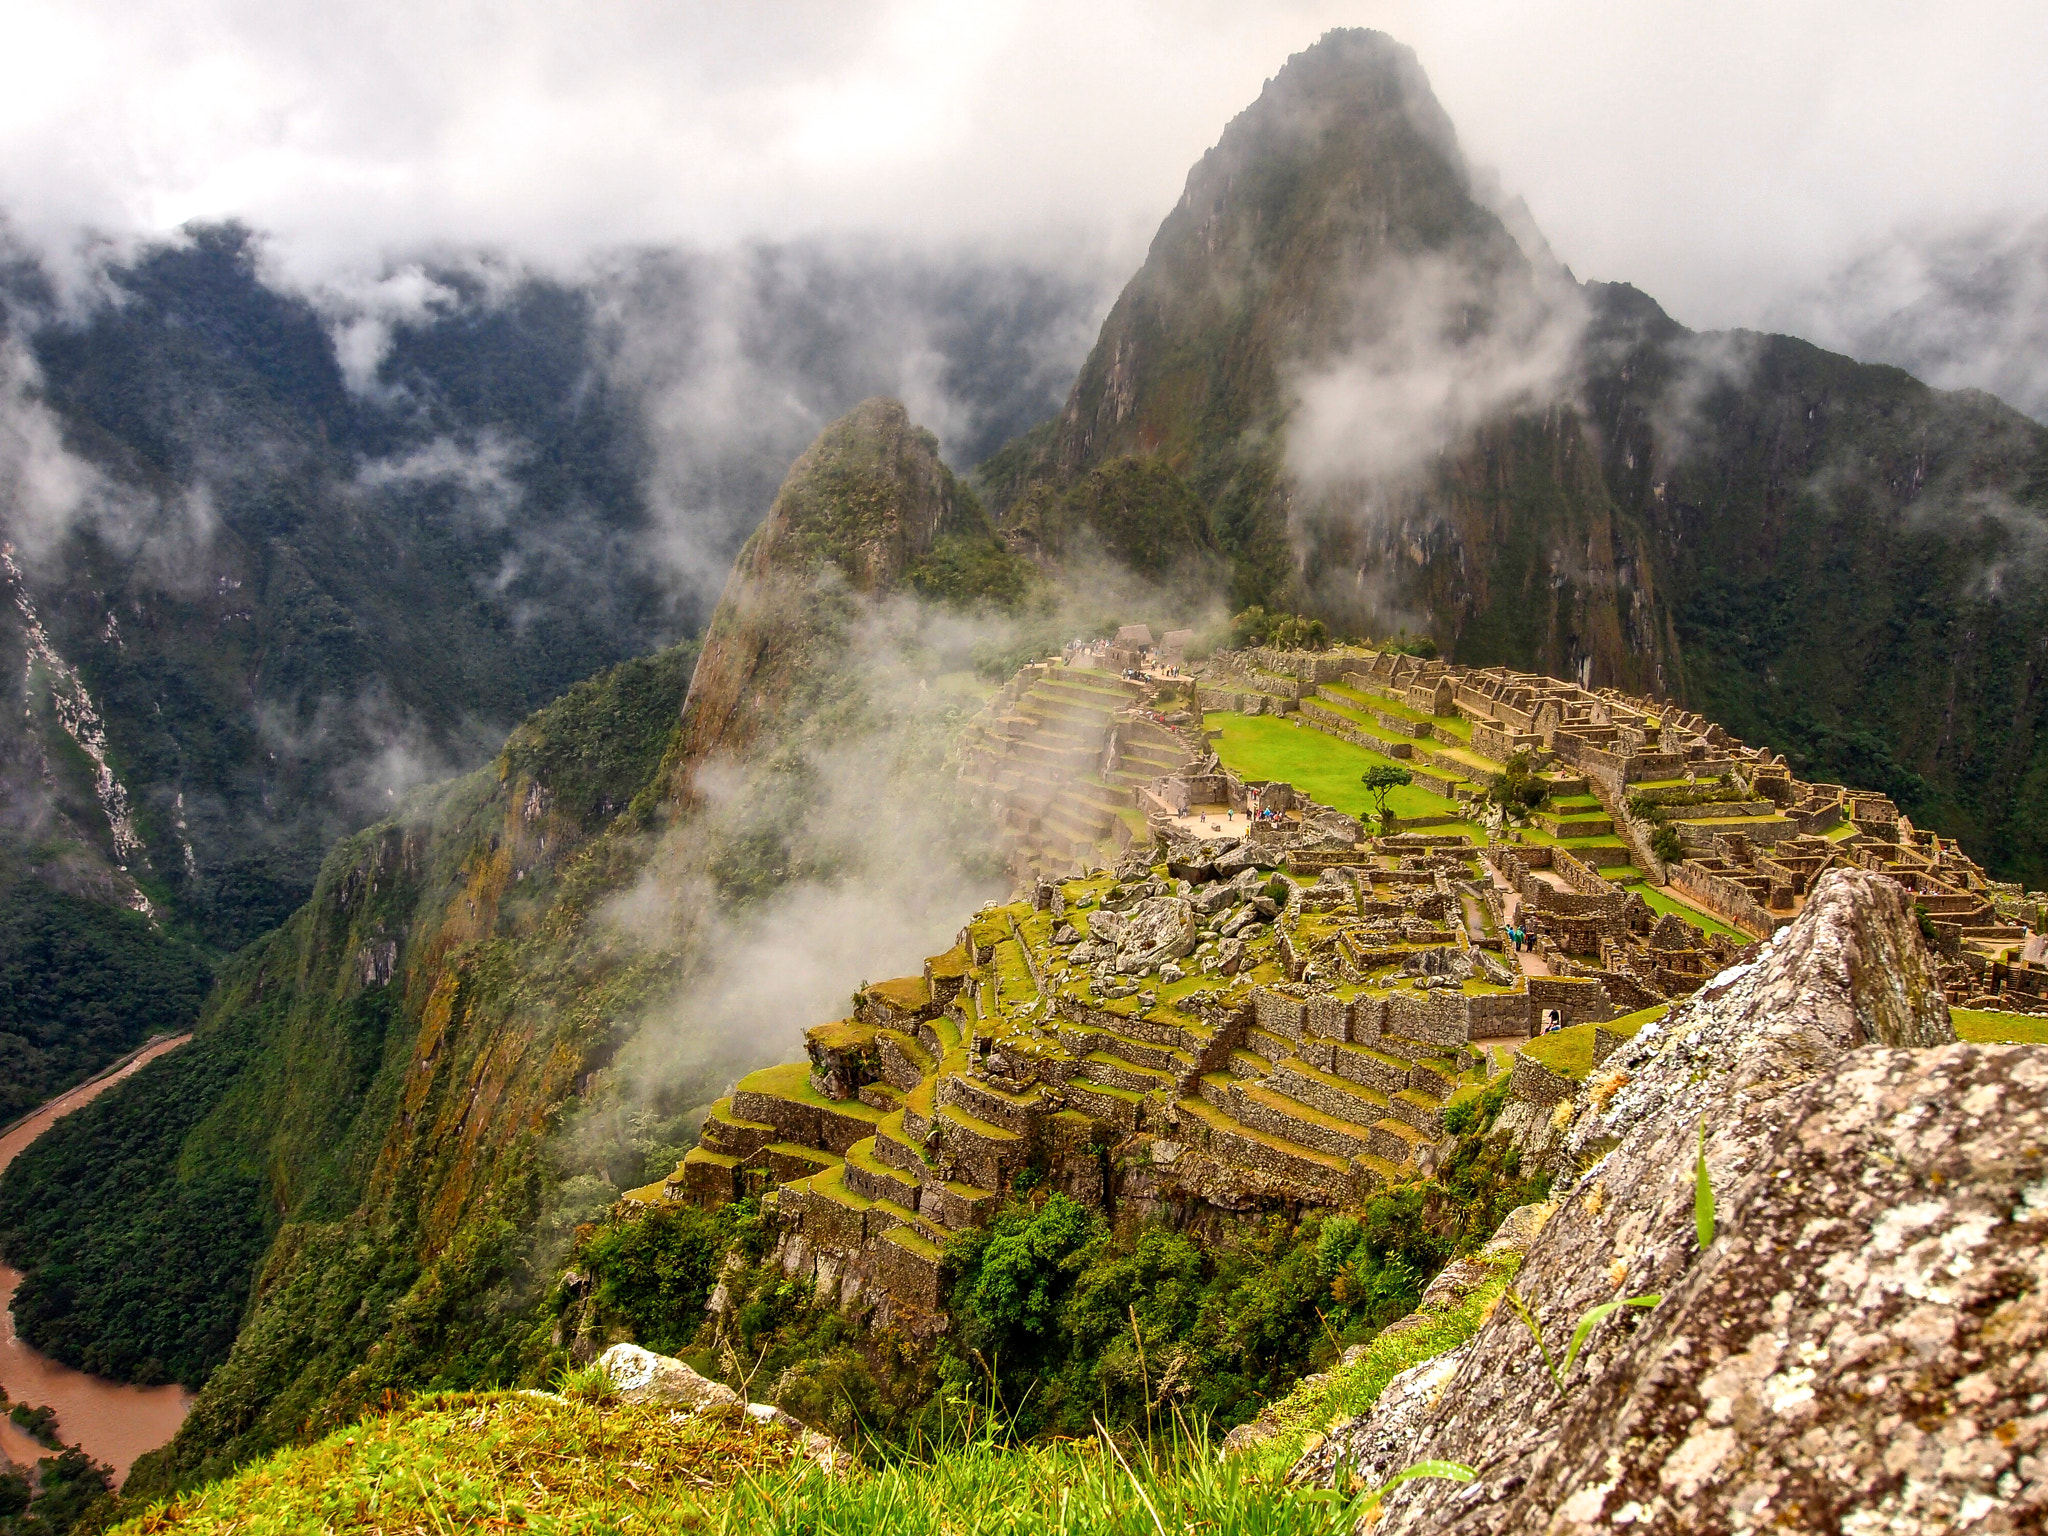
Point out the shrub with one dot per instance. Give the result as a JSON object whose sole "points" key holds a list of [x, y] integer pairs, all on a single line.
{"points": [[1282, 631], [1518, 787], [1667, 844]]}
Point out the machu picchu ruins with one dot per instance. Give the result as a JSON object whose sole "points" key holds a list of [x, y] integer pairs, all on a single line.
{"points": [[1214, 991]]}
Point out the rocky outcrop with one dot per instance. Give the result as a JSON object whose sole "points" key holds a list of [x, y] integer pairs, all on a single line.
{"points": [[1860, 1346], [858, 507], [640, 1376]]}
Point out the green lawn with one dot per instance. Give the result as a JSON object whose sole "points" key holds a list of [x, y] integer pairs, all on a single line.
{"points": [[1659, 902], [1319, 765], [1987, 1028]]}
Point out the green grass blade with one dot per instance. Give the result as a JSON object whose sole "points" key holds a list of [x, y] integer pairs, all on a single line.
{"points": [[1528, 1318], [1592, 1320], [1703, 1194], [1452, 1471]]}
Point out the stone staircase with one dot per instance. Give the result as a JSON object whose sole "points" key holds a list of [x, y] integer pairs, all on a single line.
{"points": [[1035, 758]]}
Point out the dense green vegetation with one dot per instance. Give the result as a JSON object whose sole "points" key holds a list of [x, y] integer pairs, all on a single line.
{"points": [[434, 1105], [1060, 1319], [140, 1221], [1135, 511], [1282, 631], [588, 1464], [137, 1239], [64, 1489], [81, 983]]}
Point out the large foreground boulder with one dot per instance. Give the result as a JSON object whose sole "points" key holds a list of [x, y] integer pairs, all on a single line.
{"points": [[641, 1376], [1863, 1344]]}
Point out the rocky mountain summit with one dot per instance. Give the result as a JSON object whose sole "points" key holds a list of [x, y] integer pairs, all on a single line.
{"points": [[1386, 403], [1849, 1325]]}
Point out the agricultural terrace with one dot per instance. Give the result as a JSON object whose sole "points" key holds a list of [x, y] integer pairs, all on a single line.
{"points": [[1321, 766]]}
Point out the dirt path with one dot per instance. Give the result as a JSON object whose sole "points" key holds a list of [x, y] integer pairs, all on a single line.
{"points": [[114, 1422]]}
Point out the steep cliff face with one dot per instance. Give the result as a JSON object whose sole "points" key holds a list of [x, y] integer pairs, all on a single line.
{"points": [[1350, 362], [866, 501], [1390, 406]]}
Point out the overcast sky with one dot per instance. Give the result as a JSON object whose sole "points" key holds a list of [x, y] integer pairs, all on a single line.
{"points": [[1720, 156]]}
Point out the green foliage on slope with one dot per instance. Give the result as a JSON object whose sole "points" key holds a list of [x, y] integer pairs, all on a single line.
{"points": [[137, 1257], [419, 1097], [81, 983], [551, 1465]]}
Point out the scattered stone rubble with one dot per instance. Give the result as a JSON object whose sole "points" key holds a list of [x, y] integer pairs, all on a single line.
{"points": [[1756, 837]]}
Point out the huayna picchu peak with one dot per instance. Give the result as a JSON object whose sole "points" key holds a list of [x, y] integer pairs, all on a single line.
{"points": [[853, 883]]}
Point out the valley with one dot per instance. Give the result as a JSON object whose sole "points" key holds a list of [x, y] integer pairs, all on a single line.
{"points": [[111, 1422], [1476, 853]]}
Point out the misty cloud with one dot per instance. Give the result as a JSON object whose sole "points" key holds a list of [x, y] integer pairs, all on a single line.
{"points": [[1962, 309], [44, 488], [482, 473], [1776, 143], [1439, 348], [877, 862]]}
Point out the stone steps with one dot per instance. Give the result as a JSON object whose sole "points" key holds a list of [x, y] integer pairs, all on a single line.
{"points": [[908, 1267], [867, 1174], [1121, 1107], [1327, 1092], [788, 1161], [1395, 1141], [979, 1148], [1230, 1140], [1419, 1110], [1369, 1068], [1245, 1063], [1380, 1171], [1099, 1067], [896, 1148], [905, 1061], [1267, 1109], [1015, 1113], [707, 1178], [1086, 1040], [727, 1133]]}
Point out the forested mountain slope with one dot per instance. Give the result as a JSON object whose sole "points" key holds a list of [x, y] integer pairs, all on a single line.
{"points": [[398, 1098], [1385, 402], [274, 556]]}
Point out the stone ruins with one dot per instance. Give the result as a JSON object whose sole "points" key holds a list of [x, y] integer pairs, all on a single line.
{"points": [[1213, 994]]}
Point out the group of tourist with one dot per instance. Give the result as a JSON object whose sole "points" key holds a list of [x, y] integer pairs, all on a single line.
{"points": [[1521, 939]]}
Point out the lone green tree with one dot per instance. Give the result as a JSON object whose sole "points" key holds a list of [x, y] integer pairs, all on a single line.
{"points": [[1382, 780]]}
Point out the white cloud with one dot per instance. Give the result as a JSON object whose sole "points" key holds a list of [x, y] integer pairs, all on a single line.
{"points": [[1716, 157], [1424, 372]]}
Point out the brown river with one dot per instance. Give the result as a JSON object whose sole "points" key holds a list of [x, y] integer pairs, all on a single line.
{"points": [[115, 1423]]}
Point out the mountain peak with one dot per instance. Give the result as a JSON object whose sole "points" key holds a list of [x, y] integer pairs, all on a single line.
{"points": [[859, 506], [1346, 159]]}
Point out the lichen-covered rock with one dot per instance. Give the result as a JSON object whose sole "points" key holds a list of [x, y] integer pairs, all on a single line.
{"points": [[641, 1376], [1156, 930], [1864, 1345]]}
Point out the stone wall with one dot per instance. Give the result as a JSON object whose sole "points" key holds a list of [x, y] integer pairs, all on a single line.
{"points": [[1725, 899], [1576, 999]]}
